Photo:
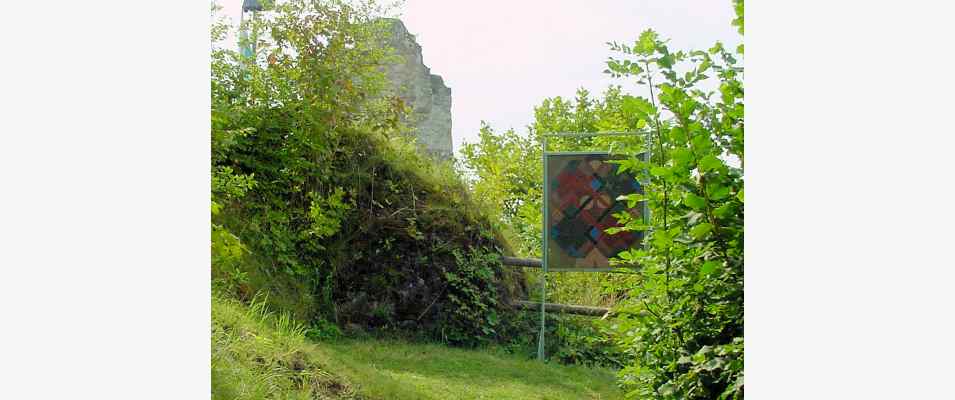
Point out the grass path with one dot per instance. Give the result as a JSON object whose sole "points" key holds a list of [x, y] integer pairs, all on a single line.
{"points": [[391, 369], [259, 355]]}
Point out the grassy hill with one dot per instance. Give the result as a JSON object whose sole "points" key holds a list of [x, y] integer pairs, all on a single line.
{"points": [[257, 354]]}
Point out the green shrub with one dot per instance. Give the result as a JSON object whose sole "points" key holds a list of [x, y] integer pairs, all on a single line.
{"points": [[323, 330], [473, 307], [683, 317], [585, 341]]}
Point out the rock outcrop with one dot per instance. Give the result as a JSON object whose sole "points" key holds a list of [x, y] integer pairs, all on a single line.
{"points": [[425, 93]]}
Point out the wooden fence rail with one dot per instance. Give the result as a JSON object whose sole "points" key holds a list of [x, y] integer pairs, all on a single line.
{"points": [[564, 308], [549, 307], [521, 262]]}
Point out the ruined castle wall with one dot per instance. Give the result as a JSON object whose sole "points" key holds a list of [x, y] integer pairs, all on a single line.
{"points": [[426, 93]]}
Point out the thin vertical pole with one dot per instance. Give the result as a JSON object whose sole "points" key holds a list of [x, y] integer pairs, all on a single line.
{"points": [[243, 34], [255, 34], [544, 188]]}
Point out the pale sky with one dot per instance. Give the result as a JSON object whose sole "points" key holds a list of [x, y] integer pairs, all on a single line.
{"points": [[502, 58]]}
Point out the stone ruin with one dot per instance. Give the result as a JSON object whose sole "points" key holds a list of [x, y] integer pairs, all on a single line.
{"points": [[425, 93]]}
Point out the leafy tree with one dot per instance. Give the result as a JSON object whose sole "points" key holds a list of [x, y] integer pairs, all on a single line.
{"points": [[683, 319], [506, 176]]}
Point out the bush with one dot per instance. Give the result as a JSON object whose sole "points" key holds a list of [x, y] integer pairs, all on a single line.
{"points": [[683, 318]]}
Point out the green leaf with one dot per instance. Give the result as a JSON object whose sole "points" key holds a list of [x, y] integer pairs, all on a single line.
{"points": [[666, 61], [666, 389], [709, 162], [717, 192], [701, 230], [638, 106], [740, 196], [693, 201], [661, 240], [693, 217], [681, 156], [709, 267], [660, 171], [724, 211], [632, 199], [635, 69], [712, 364], [647, 43], [678, 134], [738, 21], [701, 143], [716, 48]]}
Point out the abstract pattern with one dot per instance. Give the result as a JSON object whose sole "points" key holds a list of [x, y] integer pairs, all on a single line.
{"points": [[582, 196]]}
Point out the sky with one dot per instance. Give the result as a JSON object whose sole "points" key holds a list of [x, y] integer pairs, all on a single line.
{"points": [[502, 58]]}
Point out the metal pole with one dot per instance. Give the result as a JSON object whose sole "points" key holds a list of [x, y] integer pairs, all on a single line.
{"points": [[244, 49], [255, 34], [589, 134], [544, 187], [242, 33]]}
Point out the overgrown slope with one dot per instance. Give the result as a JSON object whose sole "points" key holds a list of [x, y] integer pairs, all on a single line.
{"points": [[322, 200]]}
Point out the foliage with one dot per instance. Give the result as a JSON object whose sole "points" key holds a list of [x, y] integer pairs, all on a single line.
{"points": [[683, 319], [583, 341], [227, 249], [506, 172], [345, 221], [323, 330], [473, 313], [326, 213], [680, 316]]}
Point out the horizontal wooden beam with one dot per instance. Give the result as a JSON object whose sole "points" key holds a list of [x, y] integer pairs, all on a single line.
{"points": [[521, 262], [536, 263], [564, 308], [588, 134]]}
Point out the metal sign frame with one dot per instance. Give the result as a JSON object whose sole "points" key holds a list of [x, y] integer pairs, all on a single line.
{"points": [[545, 212]]}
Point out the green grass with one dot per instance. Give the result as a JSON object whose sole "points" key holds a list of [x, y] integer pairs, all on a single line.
{"points": [[395, 369], [259, 355]]}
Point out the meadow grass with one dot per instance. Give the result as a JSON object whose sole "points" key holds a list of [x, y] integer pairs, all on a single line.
{"points": [[434, 371], [257, 354]]}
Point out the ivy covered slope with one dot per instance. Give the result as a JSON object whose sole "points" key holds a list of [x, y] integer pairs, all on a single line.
{"points": [[322, 201]]}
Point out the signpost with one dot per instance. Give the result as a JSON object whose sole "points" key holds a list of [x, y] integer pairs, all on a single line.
{"points": [[580, 192]]}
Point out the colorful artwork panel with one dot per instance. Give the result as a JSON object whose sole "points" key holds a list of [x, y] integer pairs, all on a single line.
{"points": [[581, 195]]}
